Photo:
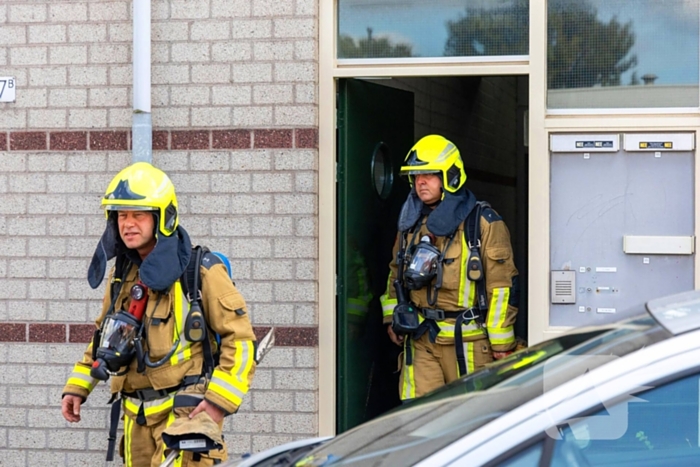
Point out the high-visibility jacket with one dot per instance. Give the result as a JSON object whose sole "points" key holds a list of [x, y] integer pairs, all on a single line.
{"points": [[358, 289], [459, 293], [226, 314]]}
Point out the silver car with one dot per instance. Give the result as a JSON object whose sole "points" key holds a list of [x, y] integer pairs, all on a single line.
{"points": [[623, 394]]}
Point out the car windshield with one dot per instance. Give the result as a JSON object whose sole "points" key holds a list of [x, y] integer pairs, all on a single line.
{"points": [[406, 436], [501, 370]]}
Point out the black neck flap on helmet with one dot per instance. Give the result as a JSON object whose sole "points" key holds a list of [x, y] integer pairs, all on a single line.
{"points": [[159, 270], [444, 219]]}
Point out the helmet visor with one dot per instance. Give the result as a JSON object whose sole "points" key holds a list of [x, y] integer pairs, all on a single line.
{"points": [[125, 207], [412, 172]]}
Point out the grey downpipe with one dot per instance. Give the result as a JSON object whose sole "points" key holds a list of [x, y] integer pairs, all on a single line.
{"points": [[141, 124]]}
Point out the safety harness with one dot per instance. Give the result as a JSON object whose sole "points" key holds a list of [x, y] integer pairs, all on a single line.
{"points": [[196, 329], [472, 231]]}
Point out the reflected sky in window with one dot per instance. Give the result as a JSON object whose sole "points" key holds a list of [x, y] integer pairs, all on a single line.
{"points": [[665, 31], [666, 37], [418, 23]]}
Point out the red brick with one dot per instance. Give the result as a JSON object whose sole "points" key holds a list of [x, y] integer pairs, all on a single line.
{"points": [[189, 139], [290, 336], [306, 138], [47, 333], [78, 333], [160, 140], [230, 139], [108, 141], [68, 140], [13, 332], [28, 141], [3, 141], [272, 138]]}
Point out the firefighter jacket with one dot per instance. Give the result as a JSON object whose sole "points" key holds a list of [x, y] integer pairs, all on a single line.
{"points": [[226, 314], [458, 292]]}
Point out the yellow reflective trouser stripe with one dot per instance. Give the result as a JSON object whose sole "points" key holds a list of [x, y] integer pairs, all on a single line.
{"points": [[234, 386], [128, 426], [388, 304], [149, 408], [504, 335], [81, 377], [408, 390], [180, 310], [467, 288], [468, 356]]}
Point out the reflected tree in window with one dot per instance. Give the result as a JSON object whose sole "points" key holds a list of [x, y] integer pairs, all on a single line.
{"points": [[501, 30], [583, 51], [371, 47]]}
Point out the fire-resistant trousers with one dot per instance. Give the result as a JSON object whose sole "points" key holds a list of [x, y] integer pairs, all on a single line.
{"points": [[426, 366], [142, 446]]}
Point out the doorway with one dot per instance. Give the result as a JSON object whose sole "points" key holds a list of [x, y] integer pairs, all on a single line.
{"points": [[378, 122]]}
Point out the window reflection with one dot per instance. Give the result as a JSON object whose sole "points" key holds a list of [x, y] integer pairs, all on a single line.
{"points": [[618, 54], [417, 28]]}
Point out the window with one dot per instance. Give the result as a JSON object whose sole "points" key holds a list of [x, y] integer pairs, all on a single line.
{"points": [[622, 54], [440, 28], [656, 428]]}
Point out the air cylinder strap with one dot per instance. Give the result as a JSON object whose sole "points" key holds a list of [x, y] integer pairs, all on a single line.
{"points": [[113, 424]]}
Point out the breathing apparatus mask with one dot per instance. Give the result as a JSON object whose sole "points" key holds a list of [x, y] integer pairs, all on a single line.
{"points": [[424, 264], [118, 340]]}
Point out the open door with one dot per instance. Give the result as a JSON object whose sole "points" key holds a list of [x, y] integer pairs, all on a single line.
{"points": [[375, 132]]}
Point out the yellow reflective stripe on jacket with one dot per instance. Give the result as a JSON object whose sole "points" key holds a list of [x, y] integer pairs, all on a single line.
{"points": [[448, 330], [357, 307], [498, 310], [504, 335], [132, 404], [81, 377], [233, 386], [467, 288], [181, 308], [388, 304]]}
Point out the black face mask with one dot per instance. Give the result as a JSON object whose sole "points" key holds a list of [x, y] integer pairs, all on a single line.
{"points": [[423, 264], [117, 344]]}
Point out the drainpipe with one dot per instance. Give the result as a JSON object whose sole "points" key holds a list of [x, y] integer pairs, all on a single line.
{"points": [[141, 124]]}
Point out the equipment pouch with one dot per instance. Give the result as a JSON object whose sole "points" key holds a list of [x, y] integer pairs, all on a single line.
{"points": [[405, 319]]}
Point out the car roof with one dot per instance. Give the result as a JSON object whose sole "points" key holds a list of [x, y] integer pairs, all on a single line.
{"points": [[620, 378], [677, 313]]}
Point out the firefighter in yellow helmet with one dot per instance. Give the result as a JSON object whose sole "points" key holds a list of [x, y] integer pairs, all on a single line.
{"points": [[163, 357], [452, 292]]}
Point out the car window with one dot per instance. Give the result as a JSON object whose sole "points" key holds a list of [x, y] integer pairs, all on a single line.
{"points": [[501, 370], [528, 457], [628, 337], [658, 427]]}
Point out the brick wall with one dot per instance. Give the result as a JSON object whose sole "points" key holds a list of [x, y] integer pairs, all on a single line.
{"points": [[235, 126]]}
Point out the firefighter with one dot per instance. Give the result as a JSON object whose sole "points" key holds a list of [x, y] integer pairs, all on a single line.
{"points": [[452, 291], [159, 372]]}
